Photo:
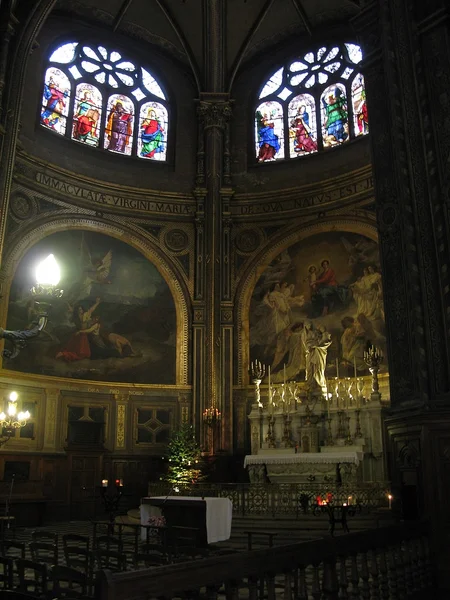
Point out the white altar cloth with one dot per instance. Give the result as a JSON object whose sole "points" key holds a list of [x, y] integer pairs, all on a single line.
{"points": [[219, 513], [307, 457]]}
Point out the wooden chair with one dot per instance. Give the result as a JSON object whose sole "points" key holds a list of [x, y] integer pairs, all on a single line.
{"points": [[78, 558], [7, 521], [75, 540], [13, 549], [32, 575], [108, 559], [129, 534], [41, 535], [6, 573], [67, 583], [108, 542], [44, 553]]}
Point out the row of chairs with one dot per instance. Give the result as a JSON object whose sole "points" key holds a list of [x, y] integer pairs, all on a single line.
{"points": [[28, 577]]}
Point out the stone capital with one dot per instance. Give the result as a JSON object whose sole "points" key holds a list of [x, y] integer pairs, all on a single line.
{"points": [[214, 113]]}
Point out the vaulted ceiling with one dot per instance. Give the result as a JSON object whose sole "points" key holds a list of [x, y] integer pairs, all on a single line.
{"points": [[177, 26]]}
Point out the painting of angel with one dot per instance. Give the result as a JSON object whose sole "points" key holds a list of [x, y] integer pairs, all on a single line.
{"points": [[115, 322], [94, 272]]}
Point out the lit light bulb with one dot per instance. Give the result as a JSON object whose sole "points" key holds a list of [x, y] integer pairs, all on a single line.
{"points": [[47, 272], [12, 409], [2, 416], [13, 396]]}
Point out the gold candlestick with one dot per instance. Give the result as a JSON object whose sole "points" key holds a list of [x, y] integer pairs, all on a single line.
{"points": [[257, 371], [373, 358]]}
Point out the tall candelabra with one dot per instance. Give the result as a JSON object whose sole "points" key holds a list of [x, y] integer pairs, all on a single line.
{"points": [[257, 372], [111, 495], [373, 358]]}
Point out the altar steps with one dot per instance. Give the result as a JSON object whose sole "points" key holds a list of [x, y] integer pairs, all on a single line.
{"points": [[292, 530]]}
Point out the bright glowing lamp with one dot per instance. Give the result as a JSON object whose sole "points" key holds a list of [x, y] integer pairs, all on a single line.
{"points": [[13, 396], [47, 272]]}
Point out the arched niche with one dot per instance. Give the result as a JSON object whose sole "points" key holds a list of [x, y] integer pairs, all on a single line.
{"points": [[349, 246], [99, 239]]}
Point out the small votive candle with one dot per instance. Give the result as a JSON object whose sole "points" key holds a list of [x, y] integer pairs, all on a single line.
{"points": [[104, 483]]}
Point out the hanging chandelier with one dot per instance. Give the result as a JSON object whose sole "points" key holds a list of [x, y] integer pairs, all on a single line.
{"points": [[12, 420]]}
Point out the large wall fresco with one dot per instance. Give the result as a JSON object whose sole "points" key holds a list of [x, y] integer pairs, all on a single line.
{"points": [[115, 322], [330, 281]]}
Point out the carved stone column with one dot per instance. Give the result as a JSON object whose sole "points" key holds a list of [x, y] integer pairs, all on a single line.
{"points": [[214, 111], [212, 336], [415, 321], [406, 69], [8, 23]]}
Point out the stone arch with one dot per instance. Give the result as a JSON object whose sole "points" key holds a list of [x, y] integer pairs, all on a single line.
{"points": [[261, 261], [147, 248]]}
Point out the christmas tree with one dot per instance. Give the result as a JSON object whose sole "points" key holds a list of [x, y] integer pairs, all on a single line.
{"points": [[184, 457]]}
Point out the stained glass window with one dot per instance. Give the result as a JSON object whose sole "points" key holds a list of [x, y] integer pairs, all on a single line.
{"points": [[102, 98], [269, 131], [86, 114], [153, 128], [119, 124], [317, 98], [55, 100]]}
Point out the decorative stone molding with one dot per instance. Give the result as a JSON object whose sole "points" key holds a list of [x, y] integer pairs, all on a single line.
{"points": [[214, 113], [121, 411], [51, 410]]}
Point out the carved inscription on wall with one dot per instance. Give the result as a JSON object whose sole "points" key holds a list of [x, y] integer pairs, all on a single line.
{"points": [[300, 200], [77, 191]]}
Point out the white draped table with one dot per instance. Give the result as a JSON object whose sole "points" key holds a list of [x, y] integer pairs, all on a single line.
{"points": [[218, 514]]}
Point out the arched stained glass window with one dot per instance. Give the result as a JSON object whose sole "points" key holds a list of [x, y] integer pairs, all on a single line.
{"points": [[313, 102], [101, 98], [55, 100]]}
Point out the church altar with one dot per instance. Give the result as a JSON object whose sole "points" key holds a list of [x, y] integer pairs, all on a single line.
{"points": [[283, 467], [336, 436]]}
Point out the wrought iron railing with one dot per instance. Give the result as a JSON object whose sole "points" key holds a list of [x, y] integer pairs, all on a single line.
{"points": [[390, 562], [289, 499]]}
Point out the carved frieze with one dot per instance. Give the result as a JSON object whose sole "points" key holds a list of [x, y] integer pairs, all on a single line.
{"points": [[92, 194]]}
